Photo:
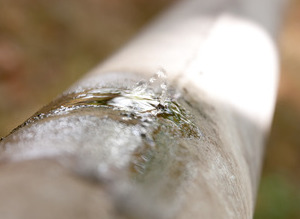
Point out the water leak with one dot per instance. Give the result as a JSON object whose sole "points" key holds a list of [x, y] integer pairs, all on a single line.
{"points": [[148, 105]]}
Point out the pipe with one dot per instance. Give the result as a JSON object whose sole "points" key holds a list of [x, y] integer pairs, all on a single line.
{"points": [[185, 143]]}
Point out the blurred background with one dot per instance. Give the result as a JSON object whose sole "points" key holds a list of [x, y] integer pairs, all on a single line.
{"points": [[45, 46]]}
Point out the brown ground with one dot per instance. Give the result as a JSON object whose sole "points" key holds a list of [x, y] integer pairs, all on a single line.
{"points": [[46, 45]]}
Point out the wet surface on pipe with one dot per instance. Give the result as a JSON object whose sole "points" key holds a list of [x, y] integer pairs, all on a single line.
{"points": [[152, 149], [132, 137]]}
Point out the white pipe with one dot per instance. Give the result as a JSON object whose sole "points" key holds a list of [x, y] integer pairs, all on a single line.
{"points": [[222, 58]]}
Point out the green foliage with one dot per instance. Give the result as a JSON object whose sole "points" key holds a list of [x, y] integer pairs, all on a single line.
{"points": [[277, 199]]}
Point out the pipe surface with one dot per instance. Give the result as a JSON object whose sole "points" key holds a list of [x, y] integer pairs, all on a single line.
{"points": [[122, 143]]}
